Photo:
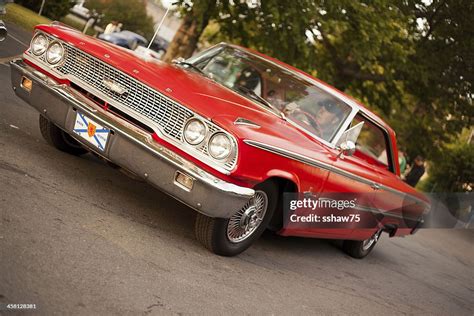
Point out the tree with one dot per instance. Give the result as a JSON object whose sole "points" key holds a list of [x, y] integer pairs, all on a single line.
{"points": [[195, 20], [259, 26], [455, 172], [441, 74], [131, 13]]}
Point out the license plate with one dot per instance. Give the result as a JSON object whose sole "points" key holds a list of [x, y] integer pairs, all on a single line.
{"points": [[88, 129]]}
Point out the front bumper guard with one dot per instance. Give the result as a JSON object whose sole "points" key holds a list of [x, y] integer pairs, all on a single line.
{"points": [[129, 146]]}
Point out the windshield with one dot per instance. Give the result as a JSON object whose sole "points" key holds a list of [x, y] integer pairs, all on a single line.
{"points": [[302, 102]]}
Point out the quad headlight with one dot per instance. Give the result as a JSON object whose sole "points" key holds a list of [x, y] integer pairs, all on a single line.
{"points": [[220, 146], [195, 131], [54, 53], [39, 44]]}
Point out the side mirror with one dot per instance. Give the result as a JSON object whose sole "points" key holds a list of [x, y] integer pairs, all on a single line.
{"points": [[3, 31], [347, 148], [351, 134]]}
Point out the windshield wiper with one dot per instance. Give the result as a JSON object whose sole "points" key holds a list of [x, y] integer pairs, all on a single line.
{"points": [[260, 99], [190, 65]]}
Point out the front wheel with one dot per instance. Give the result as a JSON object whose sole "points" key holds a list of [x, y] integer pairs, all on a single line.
{"points": [[229, 237], [59, 138], [360, 248]]}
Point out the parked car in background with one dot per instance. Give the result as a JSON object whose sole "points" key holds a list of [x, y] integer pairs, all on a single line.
{"points": [[3, 28], [228, 132], [126, 39], [160, 45], [3, 31], [134, 36], [81, 11]]}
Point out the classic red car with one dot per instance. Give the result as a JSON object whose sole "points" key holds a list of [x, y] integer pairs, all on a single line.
{"points": [[227, 132]]}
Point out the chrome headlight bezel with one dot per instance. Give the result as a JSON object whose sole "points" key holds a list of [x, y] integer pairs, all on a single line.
{"points": [[62, 55], [44, 49], [231, 145], [203, 136]]}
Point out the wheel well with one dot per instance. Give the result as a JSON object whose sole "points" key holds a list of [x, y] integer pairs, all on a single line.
{"points": [[284, 186]]}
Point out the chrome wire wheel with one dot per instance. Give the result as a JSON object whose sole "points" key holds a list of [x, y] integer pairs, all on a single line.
{"points": [[246, 221]]}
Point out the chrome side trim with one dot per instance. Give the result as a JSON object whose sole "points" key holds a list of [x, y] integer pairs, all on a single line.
{"points": [[319, 164], [400, 193], [376, 211]]}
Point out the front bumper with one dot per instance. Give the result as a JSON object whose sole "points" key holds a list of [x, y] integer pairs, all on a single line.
{"points": [[130, 147]]}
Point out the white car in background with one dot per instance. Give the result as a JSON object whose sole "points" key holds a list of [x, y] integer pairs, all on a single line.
{"points": [[81, 11]]}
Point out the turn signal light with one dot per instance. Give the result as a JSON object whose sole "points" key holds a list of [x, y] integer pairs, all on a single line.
{"points": [[26, 84], [184, 181]]}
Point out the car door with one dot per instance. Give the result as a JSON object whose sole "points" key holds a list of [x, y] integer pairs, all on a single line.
{"points": [[357, 177], [374, 147]]}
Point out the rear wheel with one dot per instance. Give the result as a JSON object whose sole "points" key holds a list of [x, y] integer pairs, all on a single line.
{"points": [[360, 248], [229, 237], [59, 139]]}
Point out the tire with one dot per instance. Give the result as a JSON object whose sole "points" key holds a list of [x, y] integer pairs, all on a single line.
{"points": [[228, 237], [360, 248], [59, 139]]}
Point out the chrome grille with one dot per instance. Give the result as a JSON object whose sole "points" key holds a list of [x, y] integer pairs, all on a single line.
{"points": [[169, 115]]}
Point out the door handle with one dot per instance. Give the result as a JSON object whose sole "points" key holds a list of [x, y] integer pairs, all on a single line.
{"points": [[375, 186]]}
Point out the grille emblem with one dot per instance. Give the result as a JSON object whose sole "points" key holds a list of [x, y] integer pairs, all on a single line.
{"points": [[115, 87]]}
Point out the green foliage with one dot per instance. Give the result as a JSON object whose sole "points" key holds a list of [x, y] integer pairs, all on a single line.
{"points": [[53, 9], [131, 13], [441, 73], [454, 172], [24, 17]]}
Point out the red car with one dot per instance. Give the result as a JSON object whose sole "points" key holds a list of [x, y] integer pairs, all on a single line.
{"points": [[229, 132]]}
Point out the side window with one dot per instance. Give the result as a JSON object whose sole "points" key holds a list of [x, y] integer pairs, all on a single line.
{"points": [[372, 144]]}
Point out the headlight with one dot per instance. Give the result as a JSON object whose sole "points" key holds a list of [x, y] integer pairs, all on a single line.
{"points": [[54, 53], [220, 146], [195, 131], [39, 44]]}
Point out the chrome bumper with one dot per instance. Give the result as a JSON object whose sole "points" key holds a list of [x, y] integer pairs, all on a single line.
{"points": [[130, 147]]}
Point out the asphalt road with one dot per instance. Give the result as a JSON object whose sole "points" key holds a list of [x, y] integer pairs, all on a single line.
{"points": [[78, 237]]}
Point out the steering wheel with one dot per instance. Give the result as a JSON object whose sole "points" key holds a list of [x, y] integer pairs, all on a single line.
{"points": [[308, 119]]}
